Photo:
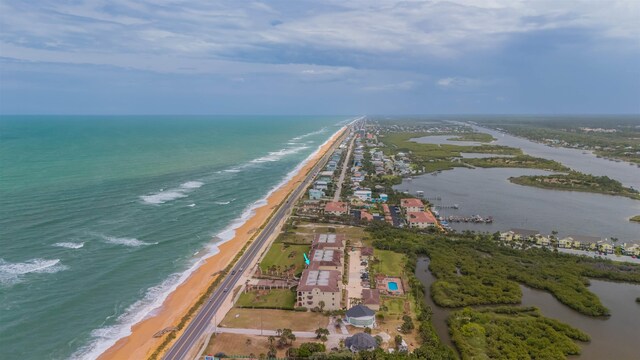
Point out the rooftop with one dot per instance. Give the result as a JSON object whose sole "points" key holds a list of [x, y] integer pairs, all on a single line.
{"points": [[359, 311], [371, 296], [361, 341], [411, 202], [421, 217], [325, 257], [525, 232], [321, 241], [325, 280], [335, 206]]}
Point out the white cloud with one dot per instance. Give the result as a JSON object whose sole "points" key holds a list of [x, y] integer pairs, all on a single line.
{"points": [[460, 82], [401, 86], [167, 34]]}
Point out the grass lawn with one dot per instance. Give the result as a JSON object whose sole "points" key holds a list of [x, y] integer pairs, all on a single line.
{"points": [[275, 298], [395, 306], [274, 319], [389, 263], [286, 257], [245, 345]]}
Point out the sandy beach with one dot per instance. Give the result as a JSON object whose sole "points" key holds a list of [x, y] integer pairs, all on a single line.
{"points": [[141, 343]]}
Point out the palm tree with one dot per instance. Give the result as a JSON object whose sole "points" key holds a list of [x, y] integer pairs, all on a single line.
{"points": [[320, 332], [321, 304]]}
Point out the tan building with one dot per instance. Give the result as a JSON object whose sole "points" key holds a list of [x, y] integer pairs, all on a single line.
{"points": [[319, 285], [326, 259], [412, 205]]}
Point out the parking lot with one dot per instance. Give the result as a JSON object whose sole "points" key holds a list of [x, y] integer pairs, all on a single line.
{"points": [[356, 282]]}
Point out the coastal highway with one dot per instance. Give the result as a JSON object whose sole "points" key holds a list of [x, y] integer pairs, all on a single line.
{"points": [[198, 326]]}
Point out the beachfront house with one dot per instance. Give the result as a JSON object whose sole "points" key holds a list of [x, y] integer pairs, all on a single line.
{"points": [[319, 286], [361, 316], [315, 194], [421, 219], [411, 205]]}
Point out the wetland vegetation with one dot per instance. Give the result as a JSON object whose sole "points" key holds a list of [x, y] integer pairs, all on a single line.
{"points": [[576, 181]]}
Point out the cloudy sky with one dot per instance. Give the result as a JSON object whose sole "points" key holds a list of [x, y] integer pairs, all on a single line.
{"points": [[319, 57]]}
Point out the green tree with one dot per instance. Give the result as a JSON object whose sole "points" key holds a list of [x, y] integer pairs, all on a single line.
{"points": [[321, 332]]}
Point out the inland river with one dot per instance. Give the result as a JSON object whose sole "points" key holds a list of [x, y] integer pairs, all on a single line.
{"points": [[488, 192], [614, 337]]}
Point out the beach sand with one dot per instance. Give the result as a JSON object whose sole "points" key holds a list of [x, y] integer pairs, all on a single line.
{"points": [[141, 343]]}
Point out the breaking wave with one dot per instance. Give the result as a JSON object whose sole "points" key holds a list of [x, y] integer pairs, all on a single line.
{"points": [[12, 273], [164, 196], [69, 245], [131, 242]]}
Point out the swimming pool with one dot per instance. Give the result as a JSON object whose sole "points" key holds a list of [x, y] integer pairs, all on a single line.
{"points": [[392, 285]]}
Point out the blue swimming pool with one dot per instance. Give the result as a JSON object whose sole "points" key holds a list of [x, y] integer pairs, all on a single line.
{"points": [[392, 285]]}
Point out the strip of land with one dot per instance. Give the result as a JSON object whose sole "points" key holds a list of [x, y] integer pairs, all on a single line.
{"points": [[575, 181], [141, 343]]}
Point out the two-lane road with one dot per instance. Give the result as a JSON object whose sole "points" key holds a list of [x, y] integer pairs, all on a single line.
{"points": [[198, 326]]}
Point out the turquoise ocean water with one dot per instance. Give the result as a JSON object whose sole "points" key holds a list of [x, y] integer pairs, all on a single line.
{"points": [[100, 217]]}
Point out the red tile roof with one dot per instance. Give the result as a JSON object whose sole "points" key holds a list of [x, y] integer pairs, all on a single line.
{"points": [[370, 296], [421, 217], [336, 206], [365, 216], [411, 202]]}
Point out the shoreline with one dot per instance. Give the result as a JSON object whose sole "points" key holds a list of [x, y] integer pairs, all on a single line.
{"points": [[140, 343]]}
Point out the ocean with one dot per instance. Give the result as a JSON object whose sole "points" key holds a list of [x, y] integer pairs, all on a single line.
{"points": [[102, 216]]}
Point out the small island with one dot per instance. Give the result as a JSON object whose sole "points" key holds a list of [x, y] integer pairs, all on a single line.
{"points": [[473, 136], [518, 161], [635, 219], [576, 181]]}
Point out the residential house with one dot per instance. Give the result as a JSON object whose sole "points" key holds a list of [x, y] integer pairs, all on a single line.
{"points": [[525, 234], [315, 194], [360, 342], [371, 298], [320, 185], [336, 208], [361, 316], [363, 194], [566, 243]]}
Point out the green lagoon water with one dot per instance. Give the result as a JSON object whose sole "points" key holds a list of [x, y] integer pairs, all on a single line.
{"points": [[100, 217]]}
